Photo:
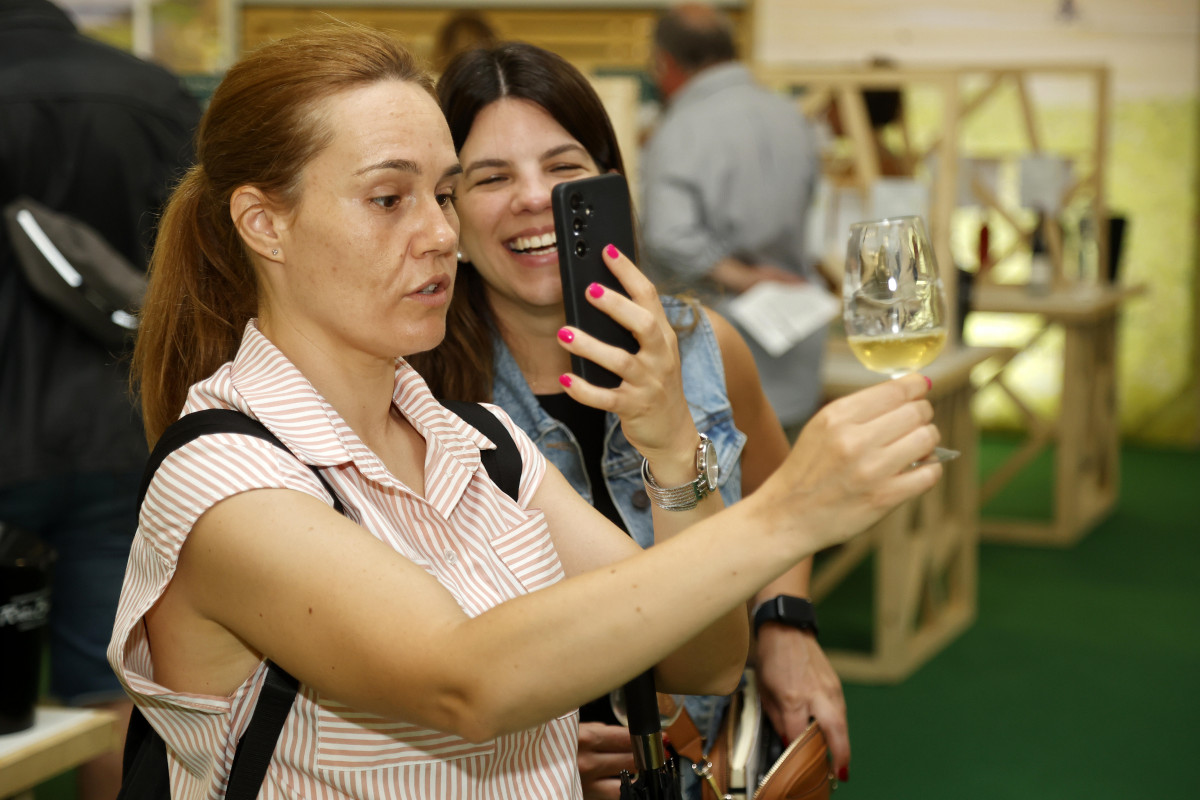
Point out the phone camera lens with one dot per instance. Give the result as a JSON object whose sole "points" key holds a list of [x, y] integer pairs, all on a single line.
{"points": [[576, 201], [578, 224], [581, 249]]}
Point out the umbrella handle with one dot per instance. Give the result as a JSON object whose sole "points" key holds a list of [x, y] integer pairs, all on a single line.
{"points": [[641, 705]]}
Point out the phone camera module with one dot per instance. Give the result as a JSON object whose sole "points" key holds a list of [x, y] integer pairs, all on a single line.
{"points": [[581, 248]]}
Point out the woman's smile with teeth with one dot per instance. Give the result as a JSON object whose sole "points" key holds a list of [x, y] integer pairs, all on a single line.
{"points": [[538, 245]]}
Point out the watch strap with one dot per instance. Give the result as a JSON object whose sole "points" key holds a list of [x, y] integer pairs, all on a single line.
{"points": [[786, 609]]}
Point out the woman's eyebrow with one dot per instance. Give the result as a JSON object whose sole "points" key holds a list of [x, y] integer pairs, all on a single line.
{"points": [[563, 148], [402, 164], [485, 163]]}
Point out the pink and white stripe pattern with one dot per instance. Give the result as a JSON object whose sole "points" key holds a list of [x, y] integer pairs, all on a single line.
{"points": [[477, 542]]}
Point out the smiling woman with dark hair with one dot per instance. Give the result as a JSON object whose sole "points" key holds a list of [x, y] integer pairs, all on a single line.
{"points": [[524, 120]]}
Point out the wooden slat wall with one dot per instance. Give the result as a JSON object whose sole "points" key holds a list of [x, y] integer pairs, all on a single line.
{"points": [[590, 38]]}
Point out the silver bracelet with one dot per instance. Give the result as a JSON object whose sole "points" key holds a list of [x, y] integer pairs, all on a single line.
{"points": [[676, 498], [687, 496]]}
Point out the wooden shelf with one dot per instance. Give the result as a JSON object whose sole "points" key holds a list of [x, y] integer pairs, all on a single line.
{"points": [[60, 739], [1085, 433], [962, 89], [1078, 302], [926, 559]]}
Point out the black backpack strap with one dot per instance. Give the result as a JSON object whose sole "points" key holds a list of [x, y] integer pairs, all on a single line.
{"points": [[145, 761], [503, 464], [146, 773], [254, 750], [213, 420]]}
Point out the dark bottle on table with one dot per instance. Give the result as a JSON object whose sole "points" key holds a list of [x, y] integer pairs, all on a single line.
{"points": [[1041, 270], [25, 574]]}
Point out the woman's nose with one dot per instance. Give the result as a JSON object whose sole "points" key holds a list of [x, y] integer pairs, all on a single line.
{"points": [[532, 195], [438, 234]]}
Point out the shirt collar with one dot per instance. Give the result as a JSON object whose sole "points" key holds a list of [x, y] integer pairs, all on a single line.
{"points": [[711, 80], [284, 400]]}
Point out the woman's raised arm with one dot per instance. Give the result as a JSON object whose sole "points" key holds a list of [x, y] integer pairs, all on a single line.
{"points": [[345, 614]]}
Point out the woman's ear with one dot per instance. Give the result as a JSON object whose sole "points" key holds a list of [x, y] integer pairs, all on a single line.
{"points": [[258, 222]]}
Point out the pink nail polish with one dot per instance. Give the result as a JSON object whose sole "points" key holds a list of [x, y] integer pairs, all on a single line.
{"points": [[611, 251], [595, 290], [928, 381], [565, 380], [566, 335]]}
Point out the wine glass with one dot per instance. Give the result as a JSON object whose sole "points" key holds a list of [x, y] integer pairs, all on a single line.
{"points": [[894, 314]]}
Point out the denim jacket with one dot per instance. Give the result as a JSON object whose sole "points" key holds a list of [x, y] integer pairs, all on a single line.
{"points": [[704, 388]]}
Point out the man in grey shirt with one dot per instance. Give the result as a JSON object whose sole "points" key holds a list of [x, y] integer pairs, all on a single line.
{"points": [[727, 181]]}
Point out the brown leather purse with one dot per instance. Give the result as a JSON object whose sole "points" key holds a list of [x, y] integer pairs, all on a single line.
{"points": [[802, 772]]}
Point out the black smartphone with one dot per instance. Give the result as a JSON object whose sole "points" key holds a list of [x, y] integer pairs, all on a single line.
{"points": [[590, 214]]}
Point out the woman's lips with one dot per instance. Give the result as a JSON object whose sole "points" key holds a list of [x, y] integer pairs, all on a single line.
{"points": [[434, 293]]}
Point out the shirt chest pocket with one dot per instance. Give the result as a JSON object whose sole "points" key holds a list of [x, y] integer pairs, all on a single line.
{"points": [[350, 740], [527, 553]]}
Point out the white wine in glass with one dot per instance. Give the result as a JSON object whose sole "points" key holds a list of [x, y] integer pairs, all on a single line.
{"points": [[894, 314]]}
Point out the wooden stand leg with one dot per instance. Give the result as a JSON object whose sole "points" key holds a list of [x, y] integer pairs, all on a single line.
{"points": [[925, 583]]}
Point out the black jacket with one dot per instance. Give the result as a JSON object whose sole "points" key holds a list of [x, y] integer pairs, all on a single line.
{"points": [[97, 133]]}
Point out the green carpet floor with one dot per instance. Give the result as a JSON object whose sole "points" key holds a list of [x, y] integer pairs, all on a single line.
{"points": [[1079, 678]]}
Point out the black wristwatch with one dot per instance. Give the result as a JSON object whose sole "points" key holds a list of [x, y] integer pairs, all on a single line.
{"points": [[787, 610]]}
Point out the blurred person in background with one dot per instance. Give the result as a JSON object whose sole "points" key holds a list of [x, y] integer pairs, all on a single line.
{"points": [[727, 180], [96, 133], [462, 31]]}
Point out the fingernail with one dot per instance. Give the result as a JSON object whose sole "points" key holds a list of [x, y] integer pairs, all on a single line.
{"points": [[611, 251], [928, 381], [844, 774], [566, 335], [595, 290], [565, 380]]}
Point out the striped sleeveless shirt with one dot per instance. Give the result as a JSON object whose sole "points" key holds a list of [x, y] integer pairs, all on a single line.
{"points": [[476, 541]]}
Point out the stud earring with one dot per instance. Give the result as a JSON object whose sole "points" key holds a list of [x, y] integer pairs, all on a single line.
{"points": [[461, 257], [274, 252]]}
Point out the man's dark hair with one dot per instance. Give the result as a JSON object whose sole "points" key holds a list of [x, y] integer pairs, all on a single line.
{"points": [[696, 36]]}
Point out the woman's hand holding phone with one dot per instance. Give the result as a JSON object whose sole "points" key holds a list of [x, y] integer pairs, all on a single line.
{"points": [[649, 399]]}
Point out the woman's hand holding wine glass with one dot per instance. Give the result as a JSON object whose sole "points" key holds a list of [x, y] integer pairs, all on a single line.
{"points": [[894, 313]]}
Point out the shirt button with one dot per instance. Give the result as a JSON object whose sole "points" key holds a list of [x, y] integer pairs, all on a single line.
{"points": [[451, 557], [641, 501]]}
